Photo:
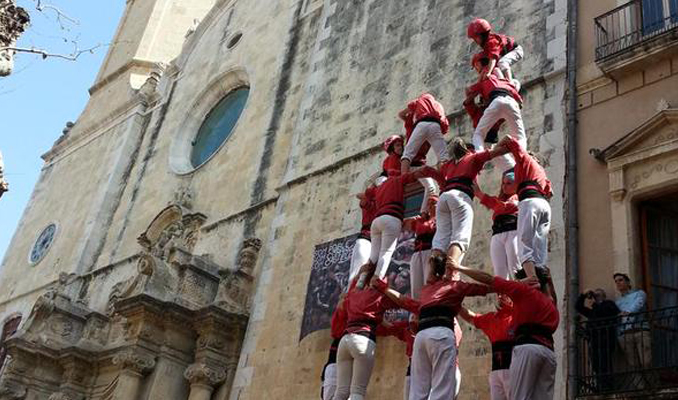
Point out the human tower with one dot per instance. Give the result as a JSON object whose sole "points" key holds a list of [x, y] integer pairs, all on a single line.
{"points": [[521, 330]]}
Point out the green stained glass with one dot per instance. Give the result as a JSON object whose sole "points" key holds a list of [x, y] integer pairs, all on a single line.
{"points": [[218, 126]]}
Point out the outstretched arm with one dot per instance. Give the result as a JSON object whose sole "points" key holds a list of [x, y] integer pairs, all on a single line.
{"points": [[467, 315], [477, 275], [402, 301]]}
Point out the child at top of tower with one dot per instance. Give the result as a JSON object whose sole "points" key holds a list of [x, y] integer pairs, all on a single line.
{"points": [[502, 102], [502, 50]]}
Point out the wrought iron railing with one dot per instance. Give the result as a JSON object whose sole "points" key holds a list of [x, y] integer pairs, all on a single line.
{"points": [[630, 355], [632, 24]]}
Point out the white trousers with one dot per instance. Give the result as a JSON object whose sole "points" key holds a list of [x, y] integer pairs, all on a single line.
{"points": [[504, 254], [534, 222], [355, 360], [418, 271], [430, 187], [506, 62], [532, 372], [454, 221], [384, 234], [430, 132], [433, 365], [330, 382], [361, 254], [505, 107], [499, 384]]}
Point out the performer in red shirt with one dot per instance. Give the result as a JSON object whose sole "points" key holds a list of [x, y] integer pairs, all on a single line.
{"points": [[424, 228], [435, 349], [498, 326], [363, 245], [534, 211], [393, 146], [425, 121], [389, 215], [503, 103], [454, 215], [504, 242], [365, 309], [535, 318], [502, 50], [329, 375]]}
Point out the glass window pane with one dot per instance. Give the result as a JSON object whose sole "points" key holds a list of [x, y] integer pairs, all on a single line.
{"points": [[218, 126]]}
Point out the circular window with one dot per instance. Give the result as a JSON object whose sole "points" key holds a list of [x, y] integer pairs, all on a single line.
{"points": [[218, 126], [235, 39], [42, 244]]}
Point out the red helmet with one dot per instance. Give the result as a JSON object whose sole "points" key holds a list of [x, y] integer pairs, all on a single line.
{"points": [[477, 27], [391, 140], [479, 57]]}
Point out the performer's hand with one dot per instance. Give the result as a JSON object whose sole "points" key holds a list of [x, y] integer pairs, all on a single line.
{"points": [[532, 282]]}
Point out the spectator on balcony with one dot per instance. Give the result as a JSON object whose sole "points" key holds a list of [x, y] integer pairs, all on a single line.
{"points": [[601, 333], [634, 331]]}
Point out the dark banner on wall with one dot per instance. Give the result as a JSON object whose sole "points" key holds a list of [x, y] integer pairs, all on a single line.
{"points": [[329, 277]]}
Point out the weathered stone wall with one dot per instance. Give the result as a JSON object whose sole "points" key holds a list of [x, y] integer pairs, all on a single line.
{"points": [[327, 79]]}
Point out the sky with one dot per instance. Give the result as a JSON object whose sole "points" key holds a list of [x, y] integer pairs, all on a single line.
{"points": [[40, 96]]}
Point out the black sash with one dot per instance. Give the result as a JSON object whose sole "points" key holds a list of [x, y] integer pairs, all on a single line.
{"points": [[504, 223], [432, 316], [462, 183], [534, 334], [501, 355]]}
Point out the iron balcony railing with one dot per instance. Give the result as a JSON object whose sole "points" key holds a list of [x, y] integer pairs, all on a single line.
{"points": [[631, 355], [632, 24]]}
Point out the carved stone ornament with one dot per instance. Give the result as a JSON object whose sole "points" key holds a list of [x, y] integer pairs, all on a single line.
{"points": [[235, 288], [247, 258], [133, 285], [203, 374], [174, 227], [135, 362]]}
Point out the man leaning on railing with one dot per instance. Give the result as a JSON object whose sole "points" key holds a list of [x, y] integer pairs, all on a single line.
{"points": [[601, 330], [634, 330]]}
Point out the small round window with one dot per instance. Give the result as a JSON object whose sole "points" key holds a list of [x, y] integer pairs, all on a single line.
{"points": [[218, 126], [42, 244]]}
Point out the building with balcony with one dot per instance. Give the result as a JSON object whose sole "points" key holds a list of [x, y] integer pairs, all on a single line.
{"points": [[627, 162]]}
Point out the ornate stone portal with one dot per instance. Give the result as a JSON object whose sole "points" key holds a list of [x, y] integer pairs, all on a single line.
{"points": [[173, 329]]}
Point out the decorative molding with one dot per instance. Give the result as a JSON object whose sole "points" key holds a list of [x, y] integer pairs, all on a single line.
{"points": [[130, 360], [200, 373]]}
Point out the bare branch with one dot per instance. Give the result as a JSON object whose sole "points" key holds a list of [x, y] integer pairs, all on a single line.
{"points": [[60, 15], [44, 53]]}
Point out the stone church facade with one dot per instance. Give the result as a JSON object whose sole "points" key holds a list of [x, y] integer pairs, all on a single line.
{"points": [[136, 273]]}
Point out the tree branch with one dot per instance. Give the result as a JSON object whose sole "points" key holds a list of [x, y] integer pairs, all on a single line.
{"points": [[60, 15], [44, 53]]}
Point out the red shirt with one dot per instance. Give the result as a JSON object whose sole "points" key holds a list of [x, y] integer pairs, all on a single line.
{"points": [[467, 169], [485, 88], [365, 309], [424, 230], [530, 306], [400, 330], [426, 106], [338, 324], [449, 293], [501, 207], [496, 46], [368, 208], [529, 174], [391, 165], [498, 326], [390, 195]]}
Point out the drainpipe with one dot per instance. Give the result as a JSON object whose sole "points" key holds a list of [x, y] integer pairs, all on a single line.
{"points": [[572, 217]]}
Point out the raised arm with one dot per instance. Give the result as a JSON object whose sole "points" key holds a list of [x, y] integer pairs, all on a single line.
{"points": [[477, 275], [467, 315], [402, 301], [552, 288]]}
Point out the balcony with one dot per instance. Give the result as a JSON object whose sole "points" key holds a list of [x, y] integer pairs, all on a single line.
{"points": [[632, 356], [626, 35]]}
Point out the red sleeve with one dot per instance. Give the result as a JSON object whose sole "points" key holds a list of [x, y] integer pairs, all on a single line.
{"points": [[498, 206], [493, 46], [475, 289], [513, 289], [473, 111], [392, 165], [481, 157], [473, 90], [483, 321], [516, 149]]}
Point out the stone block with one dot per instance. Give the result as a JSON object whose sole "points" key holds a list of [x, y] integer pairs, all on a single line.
{"points": [[630, 82], [584, 100], [605, 93], [658, 71]]}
